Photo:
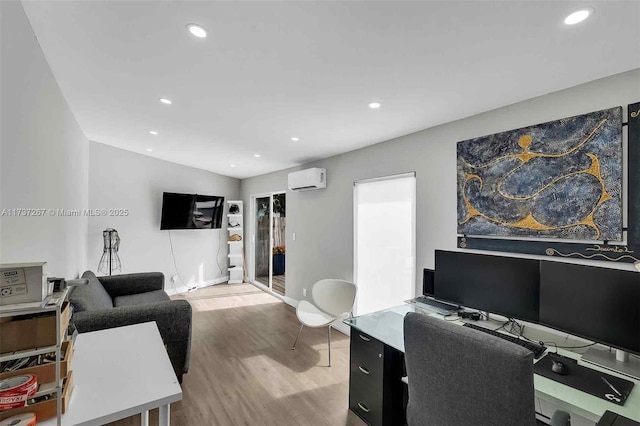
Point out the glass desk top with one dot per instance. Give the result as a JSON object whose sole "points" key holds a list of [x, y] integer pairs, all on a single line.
{"points": [[387, 325]]}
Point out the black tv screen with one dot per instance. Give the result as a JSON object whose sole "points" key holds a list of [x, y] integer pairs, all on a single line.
{"points": [[191, 211], [506, 286], [599, 304]]}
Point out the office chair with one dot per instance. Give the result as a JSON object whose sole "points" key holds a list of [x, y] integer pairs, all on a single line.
{"points": [[460, 376], [332, 301]]}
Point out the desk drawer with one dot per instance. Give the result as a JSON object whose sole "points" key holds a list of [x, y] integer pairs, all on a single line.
{"points": [[366, 379], [363, 343], [367, 364], [367, 391], [367, 405]]}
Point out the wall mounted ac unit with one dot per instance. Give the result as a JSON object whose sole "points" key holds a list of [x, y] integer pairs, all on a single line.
{"points": [[304, 180]]}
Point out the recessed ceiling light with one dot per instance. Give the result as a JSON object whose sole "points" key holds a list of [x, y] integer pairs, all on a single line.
{"points": [[166, 101], [149, 150], [578, 16], [375, 105], [232, 165], [197, 30], [153, 132], [257, 155], [295, 139]]}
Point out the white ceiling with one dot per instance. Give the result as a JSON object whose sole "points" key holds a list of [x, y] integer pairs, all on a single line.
{"points": [[272, 70]]}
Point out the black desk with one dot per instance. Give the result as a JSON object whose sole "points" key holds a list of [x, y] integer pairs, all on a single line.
{"points": [[378, 396]]}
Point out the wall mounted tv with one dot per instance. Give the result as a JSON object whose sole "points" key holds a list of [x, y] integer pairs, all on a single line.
{"points": [[191, 211]]}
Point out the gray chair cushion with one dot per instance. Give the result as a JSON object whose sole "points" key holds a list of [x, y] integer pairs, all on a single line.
{"points": [[90, 297], [459, 376], [141, 298]]}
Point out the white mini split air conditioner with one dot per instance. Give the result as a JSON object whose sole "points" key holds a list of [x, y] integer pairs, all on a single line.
{"points": [[304, 180]]}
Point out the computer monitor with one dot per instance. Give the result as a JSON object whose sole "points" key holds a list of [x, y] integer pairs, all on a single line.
{"points": [[598, 304], [506, 286]]}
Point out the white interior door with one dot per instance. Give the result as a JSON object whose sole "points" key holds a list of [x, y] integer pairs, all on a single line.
{"points": [[384, 233]]}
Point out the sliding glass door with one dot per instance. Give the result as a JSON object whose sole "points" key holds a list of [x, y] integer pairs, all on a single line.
{"points": [[269, 247], [262, 240], [278, 227]]}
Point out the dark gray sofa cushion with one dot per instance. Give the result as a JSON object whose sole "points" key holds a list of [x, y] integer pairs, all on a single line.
{"points": [[90, 297], [127, 284], [141, 299]]}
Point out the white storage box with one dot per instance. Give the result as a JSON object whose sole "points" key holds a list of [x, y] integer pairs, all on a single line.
{"points": [[23, 282]]}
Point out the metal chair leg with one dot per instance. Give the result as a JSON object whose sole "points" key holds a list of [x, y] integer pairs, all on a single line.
{"points": [[293, 348], [329, 333]]}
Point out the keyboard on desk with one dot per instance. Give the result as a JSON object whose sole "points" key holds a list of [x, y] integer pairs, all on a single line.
{"points": [[537, 350]]}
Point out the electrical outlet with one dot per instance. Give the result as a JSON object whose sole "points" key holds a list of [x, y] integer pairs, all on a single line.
{"points": [[174, 278], [304, 292]]}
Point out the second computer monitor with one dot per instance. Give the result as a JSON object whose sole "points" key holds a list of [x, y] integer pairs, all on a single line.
{"points": [[599, 304], [507, 286]]}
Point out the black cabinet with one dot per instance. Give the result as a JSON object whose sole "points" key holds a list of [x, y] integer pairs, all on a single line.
{"points": [[375, 381]]}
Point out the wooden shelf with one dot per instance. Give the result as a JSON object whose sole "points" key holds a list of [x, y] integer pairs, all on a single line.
{"points": [[27, 353]]}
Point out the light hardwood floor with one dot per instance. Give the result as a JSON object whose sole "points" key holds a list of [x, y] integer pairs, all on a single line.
{"points": [[243, 371], [277, 283]]}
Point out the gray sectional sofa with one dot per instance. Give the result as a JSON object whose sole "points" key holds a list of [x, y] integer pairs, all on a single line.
{"points": [[119, 300]]}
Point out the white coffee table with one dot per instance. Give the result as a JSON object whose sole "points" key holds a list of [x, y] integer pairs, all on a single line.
{"points": [[120, 372]]}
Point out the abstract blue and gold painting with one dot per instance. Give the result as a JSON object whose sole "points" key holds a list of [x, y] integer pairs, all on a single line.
{"points": [[561, 179]]}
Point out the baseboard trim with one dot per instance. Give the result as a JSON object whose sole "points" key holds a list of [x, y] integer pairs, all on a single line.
{"points": [[342, 328], [183, 289], [220, 280], [291, 302]]}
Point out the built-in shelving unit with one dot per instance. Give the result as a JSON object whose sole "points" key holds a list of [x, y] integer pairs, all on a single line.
{"points": [[236, 248], [54, 305]]}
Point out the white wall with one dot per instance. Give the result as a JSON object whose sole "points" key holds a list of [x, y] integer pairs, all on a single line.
{"points": [[43, 155], [323, 219], [120, 179]]}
